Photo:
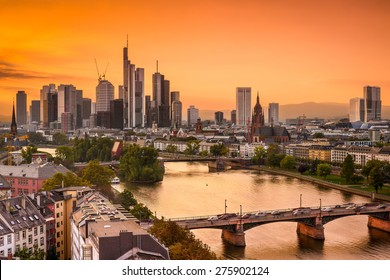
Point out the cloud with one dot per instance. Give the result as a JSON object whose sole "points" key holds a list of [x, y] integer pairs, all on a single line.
{"points": [[9, 70]]}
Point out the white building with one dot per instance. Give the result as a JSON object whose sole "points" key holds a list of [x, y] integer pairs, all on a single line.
{"points": [[192, 115], [356, 109], [104, 94], [243, 105]]}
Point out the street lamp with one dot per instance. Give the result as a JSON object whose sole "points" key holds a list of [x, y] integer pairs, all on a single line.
{"points": [[300, 201], [225, 206], [320, 207], [240, 215]]}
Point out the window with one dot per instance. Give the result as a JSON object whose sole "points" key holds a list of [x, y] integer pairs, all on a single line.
{"points": [[58, 224], [17, 247], [17, 236], [41, 229], [57, 205], [42, 241], [9, 251], [1, 253], [58, 215], [9, 239], [29, 238], [24, 234], [58, 234], [36, 241], [2, 241], [35, 231], [24, 245], [58, 244]]}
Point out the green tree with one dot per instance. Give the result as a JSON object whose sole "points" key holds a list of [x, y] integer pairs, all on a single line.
{"points": [[318, 135], [366, 170], [127, 200], [27, 154], [348, 168], [69, 179], [65, 156], [219, 150], [274, 157], [376, 178], [35, 254], [36, 138], [288, 162], [99, 176], [171, 149], [192, 147], [141, 212], [60, 139], [260, 154], [324, 170], [204, 153], [302, 168], [141, 164]]}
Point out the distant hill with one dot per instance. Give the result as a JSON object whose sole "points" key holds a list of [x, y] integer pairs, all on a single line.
{"points": [[314, 110]]}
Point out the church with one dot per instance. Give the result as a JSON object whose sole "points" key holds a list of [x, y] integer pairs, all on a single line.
{"points": [[266, 134]]}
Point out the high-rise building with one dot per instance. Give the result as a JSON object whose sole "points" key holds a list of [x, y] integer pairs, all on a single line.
{"points": [[177, 111], [132, 93], [70, 101], [49, 105], [116, 113], [161, 99], [192, 115], [372, 103], [67, 122], [87, 104], [233, 116], [243, 105], [104, 95], [273, 113], [21, 108], [356, 109], [218, 117], [35, 111], [175, 96]]}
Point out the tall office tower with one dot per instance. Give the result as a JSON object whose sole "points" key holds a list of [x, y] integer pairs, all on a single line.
{"points": [[218, 117], [121, 92], [148, 111], [93, 108], [356, 109], [372, 103], [138, 108], [192, 115], [87, 104], [104, 95], [70, 101], [175, 96], [48, 103], [116, 113], [67, 122], [233, 116], [177, 113], [21, 108], [35, 111], [161, 99], [273, 113], [243, 105]]}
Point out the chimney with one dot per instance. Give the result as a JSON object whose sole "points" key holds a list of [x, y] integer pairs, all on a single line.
{"points": [[39, 200], [23, 202]]}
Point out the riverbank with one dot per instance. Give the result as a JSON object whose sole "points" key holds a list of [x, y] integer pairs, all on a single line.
{"points": [[344, 188]]}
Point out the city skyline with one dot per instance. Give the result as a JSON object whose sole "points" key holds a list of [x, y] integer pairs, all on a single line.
{"points": [[291, 52]]}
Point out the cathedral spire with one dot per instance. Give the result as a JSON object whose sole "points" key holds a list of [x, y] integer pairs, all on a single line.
{"points": [[258, 99], [13, 123]]}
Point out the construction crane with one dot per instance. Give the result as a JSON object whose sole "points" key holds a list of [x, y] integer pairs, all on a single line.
{"points": [[101, 76]]}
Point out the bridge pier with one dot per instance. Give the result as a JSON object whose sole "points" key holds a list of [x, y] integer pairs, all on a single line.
{"points": [[380, 224], [316, 231], [236, 238]]}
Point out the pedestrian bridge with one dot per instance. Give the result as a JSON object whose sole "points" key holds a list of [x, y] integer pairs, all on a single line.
{"points": [[310, 220]]}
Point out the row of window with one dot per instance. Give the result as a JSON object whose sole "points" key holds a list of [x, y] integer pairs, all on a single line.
{"points": [[8, 241], [17, 234]]}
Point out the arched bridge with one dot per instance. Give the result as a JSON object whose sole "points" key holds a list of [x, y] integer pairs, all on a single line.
{"points": [[310, 220]]}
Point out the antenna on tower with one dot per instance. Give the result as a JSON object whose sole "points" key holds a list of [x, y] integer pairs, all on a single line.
{"points": [[157, 66], [127, 41]]}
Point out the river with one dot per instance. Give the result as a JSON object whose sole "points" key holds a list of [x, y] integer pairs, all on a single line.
{"points": [[188, 189]]}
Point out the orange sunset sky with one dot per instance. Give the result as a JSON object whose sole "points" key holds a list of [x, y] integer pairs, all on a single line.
{"points": [[289, 51]]}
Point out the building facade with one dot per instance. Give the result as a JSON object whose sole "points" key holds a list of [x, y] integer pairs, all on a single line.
{"points": [[35, 114], [104, 95], [273, 113], [21, 108], [192, 115], [243, 105], [356, 109], [372, 103]]}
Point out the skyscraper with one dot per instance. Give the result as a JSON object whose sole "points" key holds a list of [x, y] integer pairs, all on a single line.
{"points": [[233, 116], [177, 111], [35, 111], [218, 117], [70, 101], [116, 113], [132, 93], [243, 105], [161, 99], [87, 104], [372, 103], [48, 104], [21, 108], [356, 109], [104, 95], [192, 115], [273, 113]]}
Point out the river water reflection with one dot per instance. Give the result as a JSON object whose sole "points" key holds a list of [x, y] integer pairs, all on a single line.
{"points": [[189, 190]]}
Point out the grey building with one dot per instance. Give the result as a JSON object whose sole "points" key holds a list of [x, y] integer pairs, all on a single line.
{"points": [[21, 108], [372, 103], [35, 111]]}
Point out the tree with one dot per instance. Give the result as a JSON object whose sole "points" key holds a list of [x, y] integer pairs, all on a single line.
{"points": [[302, 168], [274, 160], [100, 176], [318, 135], [36, 138], [182, 243], [219, 150], [141, 212], [65, 156], [348, 168], [192, 147], [171, 149], [127, 200], [35, 254], [141, 164], [324, 170], [376, 178], [204, 153], [288, 162], [369, 166], [60, 139], [260, 154], [27, 154], [68, 179]]}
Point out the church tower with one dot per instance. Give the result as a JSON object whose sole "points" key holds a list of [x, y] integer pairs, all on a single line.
{"points": [[257, 117], [13, 123]]}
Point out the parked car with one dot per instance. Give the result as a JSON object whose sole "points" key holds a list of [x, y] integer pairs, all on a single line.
{"points": [[212, 218], [276, 212], [261, 214], [327, 209], [301, 211]]}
